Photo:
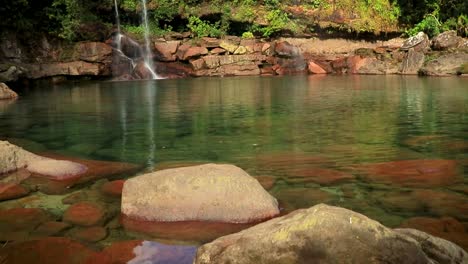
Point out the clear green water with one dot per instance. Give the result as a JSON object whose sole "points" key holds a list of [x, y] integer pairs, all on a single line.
{"points": [[270, 126]]}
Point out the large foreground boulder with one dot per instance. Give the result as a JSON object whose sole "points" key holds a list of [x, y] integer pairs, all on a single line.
{"points": [[327, 234], [210, 192]]}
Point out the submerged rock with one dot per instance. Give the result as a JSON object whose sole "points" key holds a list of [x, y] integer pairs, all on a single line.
{"points": [[446, 227], [208, 192], [50, 250], [413, 173], [12, 191], [19, 223], [325, 234], [57, 169], [84, 214]]}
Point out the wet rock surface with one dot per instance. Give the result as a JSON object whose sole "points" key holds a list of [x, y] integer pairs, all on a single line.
{"points": [[324, 234], [84, 214]]}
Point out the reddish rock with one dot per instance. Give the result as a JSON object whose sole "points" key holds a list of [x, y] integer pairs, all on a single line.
{"points": [[11, 191], [303, 197], [113, 188], [51, 228], [321, 176], [181, 51], [194, 52], [217, 51], [89, 234], [165, 51], [354, 63], [84, 214], [267, 182], [141, 71], [315, 69], [442, 203], [284, 49], [50, 250], [210, 42], [18, 223], [446, 227], [339, 65], [121, 252], [198, 64], [96, 170], [414, 173], [188, 231]]}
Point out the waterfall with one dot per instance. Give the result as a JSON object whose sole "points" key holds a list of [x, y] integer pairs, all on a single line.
{"points": [[148, 57], [117, 20]]}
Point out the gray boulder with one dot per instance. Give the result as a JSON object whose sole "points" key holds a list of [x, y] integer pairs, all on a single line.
{"points": [[447, 64], [420, 42], [320, 234], [412, 62], [210, 192], [446, 40]]}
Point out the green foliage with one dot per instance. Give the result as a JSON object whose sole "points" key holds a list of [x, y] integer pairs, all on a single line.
{"points": [[247, 35], [429, 25], [201, 28], [277, 21], [459, 24]]}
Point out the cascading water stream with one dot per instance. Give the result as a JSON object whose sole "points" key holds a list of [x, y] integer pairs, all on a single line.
{"points": [[148, 54], [117, 20]]}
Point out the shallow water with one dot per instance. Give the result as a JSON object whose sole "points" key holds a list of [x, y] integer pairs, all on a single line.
{"points": [[313, 138]]}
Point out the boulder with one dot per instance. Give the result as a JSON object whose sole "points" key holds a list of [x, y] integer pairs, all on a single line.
{"points": [[315, 68], [210, 42], [229, 46], [84, 214], [211, 192], [324, 234], [412, 62], [56, 169], [284, 49], [89, 234], [165, 51], [194, 52], [437, 249], [446, 40], [217, 51], [420, 42], [448, 64], [6, 92], [13, 157]]}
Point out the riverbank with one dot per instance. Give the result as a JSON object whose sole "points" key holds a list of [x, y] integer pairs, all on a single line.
{"points": [[178, 55]]}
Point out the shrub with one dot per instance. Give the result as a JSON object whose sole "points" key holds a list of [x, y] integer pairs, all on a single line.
{"points": [[201, 28], [247, 35]]}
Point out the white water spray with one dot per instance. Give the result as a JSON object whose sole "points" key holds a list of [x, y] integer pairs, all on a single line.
{"points": [[117, 20], [148, 57]]}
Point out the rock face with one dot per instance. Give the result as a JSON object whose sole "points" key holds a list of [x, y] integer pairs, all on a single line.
{"points": [[420, 42], [6, 92], [223, 193], [447, 64], [325, 234]]}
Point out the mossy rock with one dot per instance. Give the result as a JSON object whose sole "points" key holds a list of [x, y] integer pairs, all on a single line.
{"points": [[463, 69]]}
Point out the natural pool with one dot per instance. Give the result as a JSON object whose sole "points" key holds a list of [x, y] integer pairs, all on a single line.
{"points": [[309, 139]]}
